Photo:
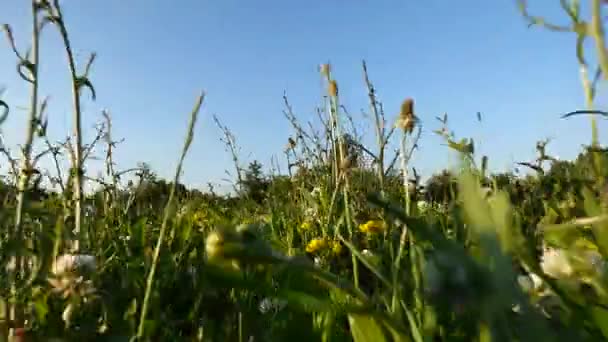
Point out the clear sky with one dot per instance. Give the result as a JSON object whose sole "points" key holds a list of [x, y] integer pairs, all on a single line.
{"points": [[154, 56]]}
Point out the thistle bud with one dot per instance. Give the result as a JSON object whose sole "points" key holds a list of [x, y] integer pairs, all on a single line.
{"points": [[333, 88], [407, 119]]}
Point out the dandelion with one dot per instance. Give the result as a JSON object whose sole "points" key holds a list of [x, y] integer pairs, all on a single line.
{"points": [[372, 226], [305, 226], [199, 218], [316, 245], [336, 247]]}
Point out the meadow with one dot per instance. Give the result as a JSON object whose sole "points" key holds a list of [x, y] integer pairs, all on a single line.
{"points": [[347, 244]]}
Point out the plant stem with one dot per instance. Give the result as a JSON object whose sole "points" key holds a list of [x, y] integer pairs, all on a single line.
{"points": [[167, 212], [26, 167], [77, 131]]}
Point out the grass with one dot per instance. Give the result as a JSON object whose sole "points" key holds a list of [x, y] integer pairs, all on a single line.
{"points": [[347, 245]]}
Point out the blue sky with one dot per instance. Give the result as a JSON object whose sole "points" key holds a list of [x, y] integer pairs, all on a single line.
{"points": [[458, 57]]}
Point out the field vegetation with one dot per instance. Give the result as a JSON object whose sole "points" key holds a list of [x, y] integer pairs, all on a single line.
{"points": [[347, 244]]}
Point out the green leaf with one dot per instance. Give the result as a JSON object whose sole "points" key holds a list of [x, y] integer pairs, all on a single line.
{"points": [[364, 328], [84, 81], [42, 309], [366, 262], [413, 326], [600, 316], [306, 302], [600, 232]]}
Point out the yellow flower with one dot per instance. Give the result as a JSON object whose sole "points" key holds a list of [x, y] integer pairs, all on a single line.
{"points": [[372, 226], [336, 247], [315, 245], [305, 225], [199, 217]]}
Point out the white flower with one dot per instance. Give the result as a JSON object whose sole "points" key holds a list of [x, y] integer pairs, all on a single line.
{"points": [[555, 263], [71, 262]]}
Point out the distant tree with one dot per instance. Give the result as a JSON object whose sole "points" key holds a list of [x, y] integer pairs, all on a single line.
{"points": [[254, 184], [441, 188]]}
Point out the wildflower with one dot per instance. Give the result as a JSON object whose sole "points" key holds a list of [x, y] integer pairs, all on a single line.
{"points": [[199, 218], [372, 226], [336, 247], [316, 245], [305, 226]]}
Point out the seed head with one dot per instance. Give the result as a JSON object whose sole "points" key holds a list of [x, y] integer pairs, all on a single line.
{"points": [[407, 119], [333, 88], [325, 69]]}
